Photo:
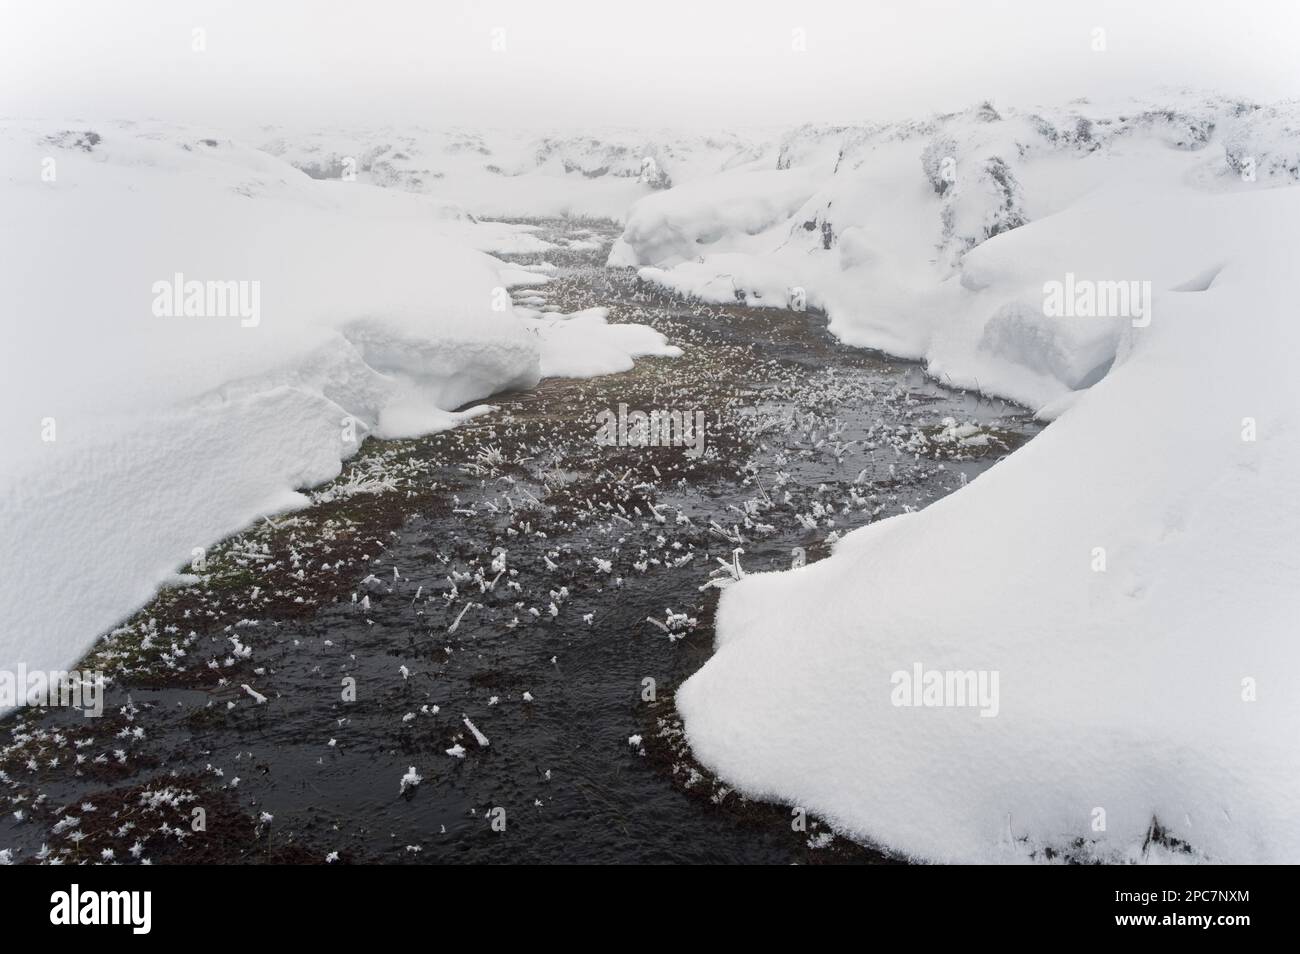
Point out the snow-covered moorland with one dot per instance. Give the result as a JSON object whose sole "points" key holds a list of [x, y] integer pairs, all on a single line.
{"points": [[196, 330], [1123, 585], [505, 174], [1128, 577]]}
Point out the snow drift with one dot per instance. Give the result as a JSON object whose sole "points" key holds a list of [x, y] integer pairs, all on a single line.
{"points": [[1129, 575], [880, 241], [195, 330]]}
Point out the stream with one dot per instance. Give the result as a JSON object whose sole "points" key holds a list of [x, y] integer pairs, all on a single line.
{"points": [[504, 608]]}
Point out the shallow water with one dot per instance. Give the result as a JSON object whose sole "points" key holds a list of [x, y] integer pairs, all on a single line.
{"points": [[797, 425]]}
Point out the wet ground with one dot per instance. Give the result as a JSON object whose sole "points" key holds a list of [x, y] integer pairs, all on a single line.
{"points": [[467, 647]]}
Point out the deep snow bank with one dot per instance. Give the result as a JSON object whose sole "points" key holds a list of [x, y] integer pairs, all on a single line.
{"points": [[1129, 575], [882, 242], [147, 416]]}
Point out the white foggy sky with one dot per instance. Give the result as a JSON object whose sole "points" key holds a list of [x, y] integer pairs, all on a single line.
{"points": [[580, 62]]}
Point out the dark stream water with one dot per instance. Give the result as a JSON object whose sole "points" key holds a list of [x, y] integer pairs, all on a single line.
{"points": [[805, 439]]}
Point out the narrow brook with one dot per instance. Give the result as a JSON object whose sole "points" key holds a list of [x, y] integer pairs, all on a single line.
{"points": [[507, 573]]}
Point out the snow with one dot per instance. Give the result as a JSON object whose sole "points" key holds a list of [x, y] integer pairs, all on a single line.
{"points": [[893, 253], [1124, 584], [1126, 581], [137, 431], [411, 779], [741, 206], [479, 737], [509, 174], [583, 344]]}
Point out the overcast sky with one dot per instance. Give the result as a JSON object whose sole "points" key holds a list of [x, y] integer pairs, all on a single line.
{"points": [[652, 62]]}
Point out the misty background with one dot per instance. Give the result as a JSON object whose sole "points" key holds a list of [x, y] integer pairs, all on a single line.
{"points": [[582, 62]]}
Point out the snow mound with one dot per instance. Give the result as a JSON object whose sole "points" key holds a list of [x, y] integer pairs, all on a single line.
{"points": [[583, 344], [880, 226], [196, 330], [1124, 585], [678, 225]]}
